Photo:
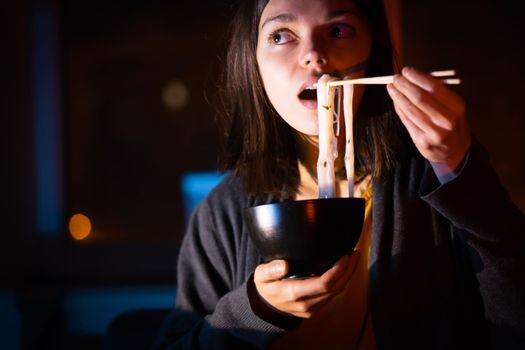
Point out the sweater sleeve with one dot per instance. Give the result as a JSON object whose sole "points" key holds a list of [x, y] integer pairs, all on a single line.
{"points": [[483, 215], [212, 310]]}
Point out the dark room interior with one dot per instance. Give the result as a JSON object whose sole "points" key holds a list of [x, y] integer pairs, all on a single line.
{"points": [[108, 142]]}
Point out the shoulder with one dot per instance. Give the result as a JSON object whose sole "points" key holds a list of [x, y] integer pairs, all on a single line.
{"points": [[223, 207], [229, 195]]}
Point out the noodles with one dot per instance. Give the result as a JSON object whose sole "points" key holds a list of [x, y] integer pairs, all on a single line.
{"points": [[327, 139], [348, 110]]}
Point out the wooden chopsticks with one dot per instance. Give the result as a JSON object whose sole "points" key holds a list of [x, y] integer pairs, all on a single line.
{"points": [[390, 78]]}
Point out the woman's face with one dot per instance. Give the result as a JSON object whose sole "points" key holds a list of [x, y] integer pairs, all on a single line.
{"points": [[299, 40]]}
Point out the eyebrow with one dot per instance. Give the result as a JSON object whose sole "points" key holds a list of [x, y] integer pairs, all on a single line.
{"points": [[283, 17], [288, 17], [340, 13]]}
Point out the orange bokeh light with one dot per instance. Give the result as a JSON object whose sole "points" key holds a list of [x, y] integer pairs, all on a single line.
{"points": [[79, 226]]}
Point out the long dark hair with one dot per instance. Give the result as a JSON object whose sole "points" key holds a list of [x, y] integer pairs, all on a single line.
{"points": [[258, 145]]}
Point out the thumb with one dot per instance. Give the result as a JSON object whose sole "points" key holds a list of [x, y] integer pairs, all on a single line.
{"points": [[276, 269]]}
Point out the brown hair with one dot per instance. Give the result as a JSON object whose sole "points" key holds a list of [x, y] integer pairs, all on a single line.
{"points": [[257, 144]]}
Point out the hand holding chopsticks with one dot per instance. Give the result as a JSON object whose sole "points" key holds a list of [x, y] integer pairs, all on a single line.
{"points": [[434, 116]]}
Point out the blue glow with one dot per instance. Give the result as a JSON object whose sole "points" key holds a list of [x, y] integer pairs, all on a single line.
{"points": [[91, 310], [195, 186], [48, 130]]}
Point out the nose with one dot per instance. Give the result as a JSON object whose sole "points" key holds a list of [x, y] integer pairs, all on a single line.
{"points": [[313, 57]]}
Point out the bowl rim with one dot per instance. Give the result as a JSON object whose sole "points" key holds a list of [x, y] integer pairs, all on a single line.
{"points": [[304, 201]]}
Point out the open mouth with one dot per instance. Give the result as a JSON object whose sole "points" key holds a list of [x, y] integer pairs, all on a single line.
{"points": [[308, 94]]}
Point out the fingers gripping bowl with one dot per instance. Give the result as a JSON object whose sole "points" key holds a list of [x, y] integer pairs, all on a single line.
{"points": [[310, 234]]}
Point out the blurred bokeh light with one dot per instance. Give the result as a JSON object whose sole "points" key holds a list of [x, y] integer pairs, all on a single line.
{"points": [[79, 226]]}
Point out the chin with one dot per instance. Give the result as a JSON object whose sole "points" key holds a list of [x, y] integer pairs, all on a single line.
{"points": [[306, 123], [310, 130]]}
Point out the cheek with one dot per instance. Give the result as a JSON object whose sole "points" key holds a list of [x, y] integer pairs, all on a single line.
{"points": [[355, 55], [275, 79], [269, 66]]}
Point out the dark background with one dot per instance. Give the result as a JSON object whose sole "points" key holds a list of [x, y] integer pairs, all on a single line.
{"points": [[114, 151]]}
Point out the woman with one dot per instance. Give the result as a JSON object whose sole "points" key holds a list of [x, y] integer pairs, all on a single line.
{"points": [[436, 266]]}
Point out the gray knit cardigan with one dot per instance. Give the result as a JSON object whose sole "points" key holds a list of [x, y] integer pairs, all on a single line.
{"points": [[446, 266]]}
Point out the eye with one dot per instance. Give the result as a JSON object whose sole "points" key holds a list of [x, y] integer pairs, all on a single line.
{"points": [[280, 37], [342, 31]]}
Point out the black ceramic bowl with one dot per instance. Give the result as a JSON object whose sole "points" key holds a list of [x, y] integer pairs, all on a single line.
{"points": [[310, 234]]}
